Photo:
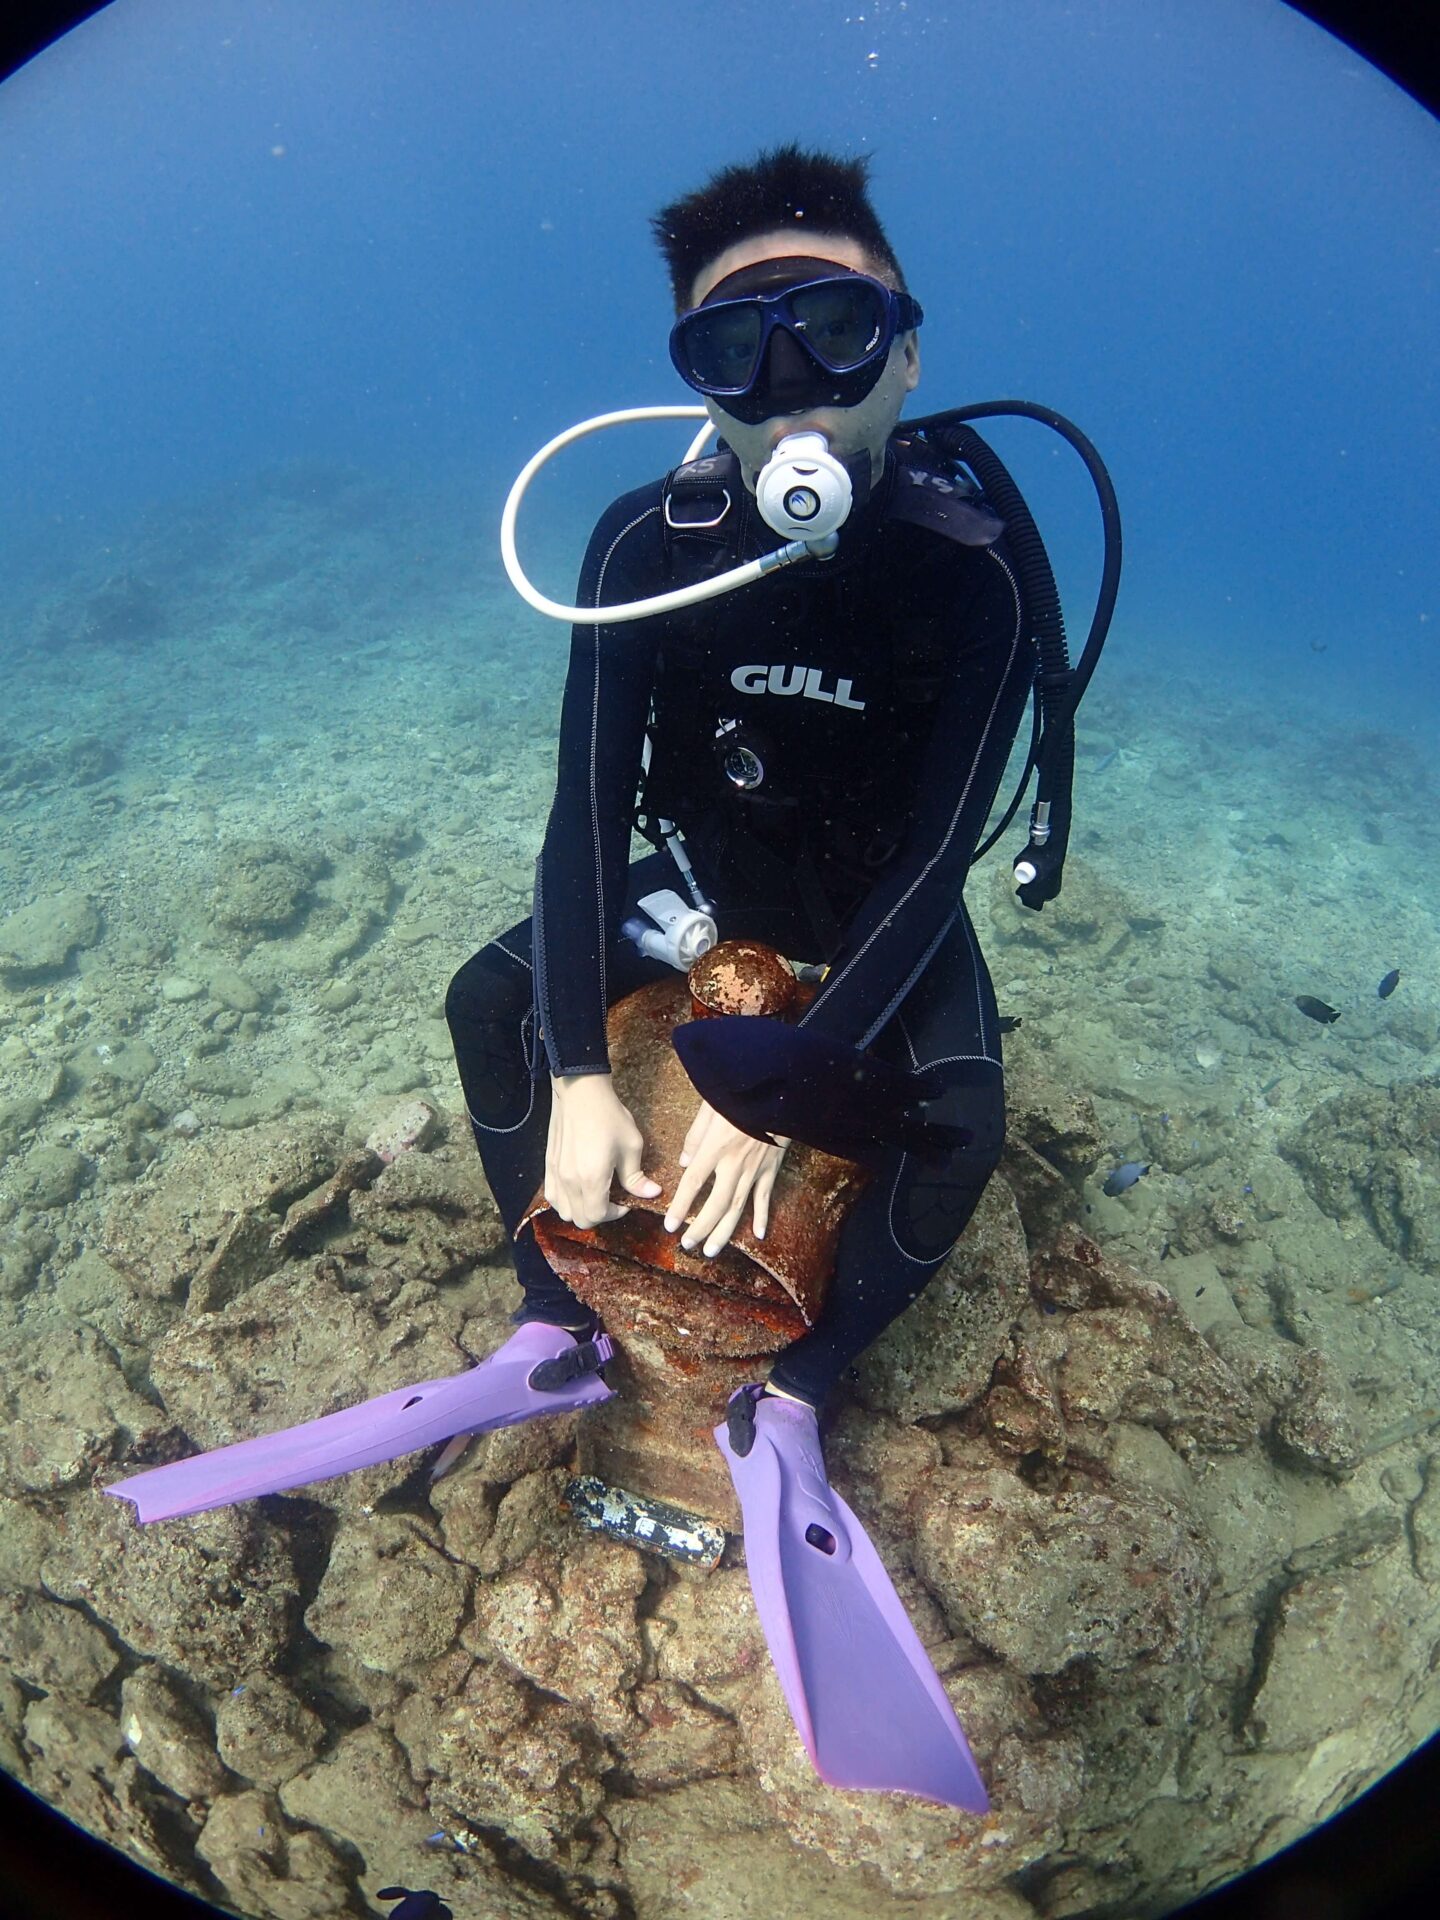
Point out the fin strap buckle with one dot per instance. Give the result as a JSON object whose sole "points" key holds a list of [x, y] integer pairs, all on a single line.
{"points": [[586, 1356]]}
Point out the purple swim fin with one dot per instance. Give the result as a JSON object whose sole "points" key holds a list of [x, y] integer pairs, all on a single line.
{"points": [[541, 1369], [864, 1696]]}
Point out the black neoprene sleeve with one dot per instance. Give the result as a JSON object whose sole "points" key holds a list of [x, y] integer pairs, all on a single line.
{"points": [[580, 876]]}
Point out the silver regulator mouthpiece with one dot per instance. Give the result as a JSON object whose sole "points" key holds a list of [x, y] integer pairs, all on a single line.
{"points": [[802, 491]]}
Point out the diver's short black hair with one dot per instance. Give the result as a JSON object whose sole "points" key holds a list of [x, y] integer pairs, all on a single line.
{"points": [[787, 187]]}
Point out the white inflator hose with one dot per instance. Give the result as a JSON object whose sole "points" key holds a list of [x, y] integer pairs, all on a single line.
{"points": [[804, 549]]}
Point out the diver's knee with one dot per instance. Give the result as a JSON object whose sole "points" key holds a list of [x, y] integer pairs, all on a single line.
{"points": [[984, 1154], [491, 985], [977, 1111], [931, 1206], [456, 994]]}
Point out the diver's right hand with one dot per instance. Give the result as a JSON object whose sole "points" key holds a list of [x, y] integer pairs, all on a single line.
{"points": [[593, 1140]]}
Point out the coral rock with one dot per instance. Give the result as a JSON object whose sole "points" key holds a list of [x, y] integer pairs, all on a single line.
{"points": [[1042, 1579]]}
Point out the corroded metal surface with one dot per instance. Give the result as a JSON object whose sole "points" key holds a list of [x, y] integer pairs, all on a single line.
{"points": [[690, 1329], [756, 1295], [742, 976]]}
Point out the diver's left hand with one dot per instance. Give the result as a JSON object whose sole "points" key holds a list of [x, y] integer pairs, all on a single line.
{"points": [[739, 1166]]}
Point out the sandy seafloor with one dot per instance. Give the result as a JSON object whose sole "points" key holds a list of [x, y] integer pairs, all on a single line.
{"points": [[324, 665]]}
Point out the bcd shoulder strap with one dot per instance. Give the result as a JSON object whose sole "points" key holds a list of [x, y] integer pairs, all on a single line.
{"points": [[701, 504], [942, 498]]}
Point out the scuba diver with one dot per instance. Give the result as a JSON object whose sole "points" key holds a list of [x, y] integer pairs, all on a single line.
{"points": [[829, 740], [820, 751]]}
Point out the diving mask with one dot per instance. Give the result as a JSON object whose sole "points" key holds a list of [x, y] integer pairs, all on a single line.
{"points": [[785, 335]]}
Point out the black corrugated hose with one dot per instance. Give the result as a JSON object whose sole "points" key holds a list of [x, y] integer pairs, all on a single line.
{"points": [[1059, 686]]}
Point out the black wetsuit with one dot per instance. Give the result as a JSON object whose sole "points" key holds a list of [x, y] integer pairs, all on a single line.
{"points": [[881, 690]]}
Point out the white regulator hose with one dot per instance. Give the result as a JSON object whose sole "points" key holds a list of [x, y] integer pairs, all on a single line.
{"points": [[813, 548]]}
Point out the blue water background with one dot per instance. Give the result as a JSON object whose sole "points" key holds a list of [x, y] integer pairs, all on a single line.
{"points": [[415, 238]]}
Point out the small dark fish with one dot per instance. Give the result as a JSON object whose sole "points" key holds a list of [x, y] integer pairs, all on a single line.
{"points": [[1319, 646], [1010, 1021], [769, 1078], [1106, 760], [422, 1905], [1388, 985], [1120, 1179], [1314, 1009]]}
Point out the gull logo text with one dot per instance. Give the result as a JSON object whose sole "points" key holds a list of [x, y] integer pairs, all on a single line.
{"points": [[809, 682]]}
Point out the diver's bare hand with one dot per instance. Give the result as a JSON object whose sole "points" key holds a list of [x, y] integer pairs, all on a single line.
{"points": [[739, 1168], [593, 1141]]}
